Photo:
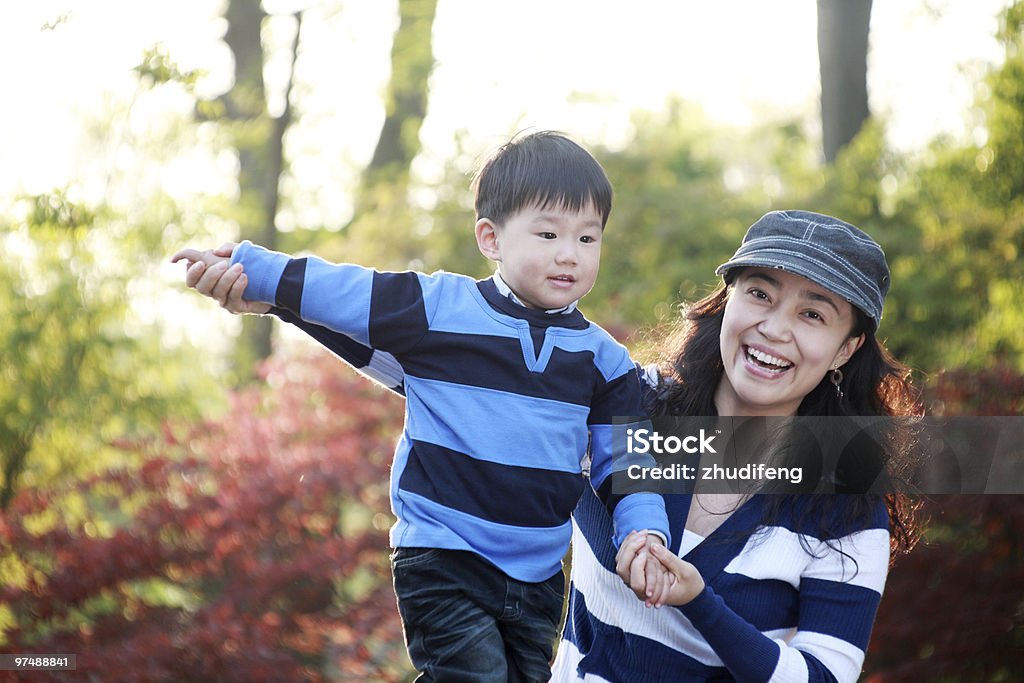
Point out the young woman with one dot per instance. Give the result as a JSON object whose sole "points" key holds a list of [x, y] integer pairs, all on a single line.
{"points": [[768, 587]]}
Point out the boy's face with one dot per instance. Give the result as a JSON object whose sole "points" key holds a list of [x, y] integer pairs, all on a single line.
{"points": [[549, 257]]}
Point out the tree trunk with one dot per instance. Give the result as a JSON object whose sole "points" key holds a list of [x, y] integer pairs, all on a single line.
{"points": [[260, 139], [260, 156], [412, 60], [382, 230], [842, 53], [13, 458]]}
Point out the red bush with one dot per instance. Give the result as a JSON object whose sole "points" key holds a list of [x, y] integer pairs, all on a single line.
{"points": [[250, 548], [997, 390], [953, 609]]}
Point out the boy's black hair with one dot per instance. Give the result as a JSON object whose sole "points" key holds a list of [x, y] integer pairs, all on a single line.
{"points": [[544, 169]]}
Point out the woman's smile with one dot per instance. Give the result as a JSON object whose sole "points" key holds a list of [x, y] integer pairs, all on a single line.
{"points": [[764, 364]]}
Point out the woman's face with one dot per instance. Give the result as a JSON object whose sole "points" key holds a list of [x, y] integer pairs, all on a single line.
{"points": [[781, 334]]}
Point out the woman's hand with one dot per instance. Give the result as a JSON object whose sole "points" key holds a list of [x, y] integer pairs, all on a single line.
{"points": [[641, 571], [686, 584]]}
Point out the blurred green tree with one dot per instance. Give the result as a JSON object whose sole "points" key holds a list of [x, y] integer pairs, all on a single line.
{"points": [[674, 219], [78, 368], [405, 102], [952, 223], [258, 138]]}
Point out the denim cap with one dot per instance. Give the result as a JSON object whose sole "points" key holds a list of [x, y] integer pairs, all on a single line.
{"points": [[827, 251]]}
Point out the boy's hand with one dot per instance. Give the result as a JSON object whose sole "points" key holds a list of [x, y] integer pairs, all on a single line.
{"points": [[640, 569], [209, 273], [626, 560]]}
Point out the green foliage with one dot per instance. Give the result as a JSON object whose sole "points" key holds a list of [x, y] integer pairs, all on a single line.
{"points": [[951, 221], [405, 102], [951, 218], [394, 231], [673, 219], [157, 68], [389, 231], [954, 230], [78, 368]]}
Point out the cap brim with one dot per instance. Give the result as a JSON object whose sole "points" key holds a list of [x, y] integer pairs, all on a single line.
{"points": [[804, 268]]}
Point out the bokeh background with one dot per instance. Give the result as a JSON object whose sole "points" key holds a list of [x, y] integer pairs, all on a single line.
{"points": [[187, 496]]}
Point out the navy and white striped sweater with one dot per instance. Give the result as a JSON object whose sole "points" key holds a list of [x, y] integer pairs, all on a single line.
{"points": [[771, 611], [501, 405]]}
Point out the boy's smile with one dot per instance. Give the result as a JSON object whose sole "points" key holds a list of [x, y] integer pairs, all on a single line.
{"points": [[549, 257]]}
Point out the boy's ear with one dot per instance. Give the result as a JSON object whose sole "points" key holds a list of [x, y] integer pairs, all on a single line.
{"points": [[487, 239]]}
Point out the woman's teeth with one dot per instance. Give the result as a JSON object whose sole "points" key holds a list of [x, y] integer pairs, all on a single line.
{"points": [[767, 360]]}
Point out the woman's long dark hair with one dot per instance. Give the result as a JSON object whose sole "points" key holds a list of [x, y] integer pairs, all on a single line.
{"points": [[874, 384]]}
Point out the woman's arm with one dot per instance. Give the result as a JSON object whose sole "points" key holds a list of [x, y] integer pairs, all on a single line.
{"points": [[839, 596]]}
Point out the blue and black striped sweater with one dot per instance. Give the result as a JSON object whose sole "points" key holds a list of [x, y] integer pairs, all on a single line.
{"points": [[502, 405]]}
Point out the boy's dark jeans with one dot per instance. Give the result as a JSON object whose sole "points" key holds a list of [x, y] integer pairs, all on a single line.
{"points": [[466, 620]]}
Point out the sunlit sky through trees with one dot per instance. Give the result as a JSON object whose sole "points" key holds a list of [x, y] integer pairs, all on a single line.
{"points": [[581, 66], [75, 117]]}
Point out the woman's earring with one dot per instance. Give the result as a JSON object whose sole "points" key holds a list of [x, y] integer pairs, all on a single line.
{"points": [[837, 378]]}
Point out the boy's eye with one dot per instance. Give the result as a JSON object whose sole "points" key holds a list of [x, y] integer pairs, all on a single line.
{"points": [[547, 235], [587, 239]]}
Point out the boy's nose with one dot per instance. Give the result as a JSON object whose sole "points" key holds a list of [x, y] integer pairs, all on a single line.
{"points": [[566, 254]]}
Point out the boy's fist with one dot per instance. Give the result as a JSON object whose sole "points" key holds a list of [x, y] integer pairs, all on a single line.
{"points": [[211, 274]]}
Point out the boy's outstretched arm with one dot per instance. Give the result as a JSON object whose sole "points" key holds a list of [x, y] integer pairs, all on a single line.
{"points": [[209, 257], [227, 287], [386, 311]]}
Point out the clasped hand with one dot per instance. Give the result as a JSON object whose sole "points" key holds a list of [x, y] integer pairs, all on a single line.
{"points": [[654, 573], [212, 274]]}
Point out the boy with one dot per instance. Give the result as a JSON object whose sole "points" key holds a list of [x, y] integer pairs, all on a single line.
{"points": [[506, 385]]}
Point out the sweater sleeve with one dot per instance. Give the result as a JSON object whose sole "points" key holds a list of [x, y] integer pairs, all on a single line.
{"points": [[839, 596], [630, 508], [386, 311], [376, 365]]}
